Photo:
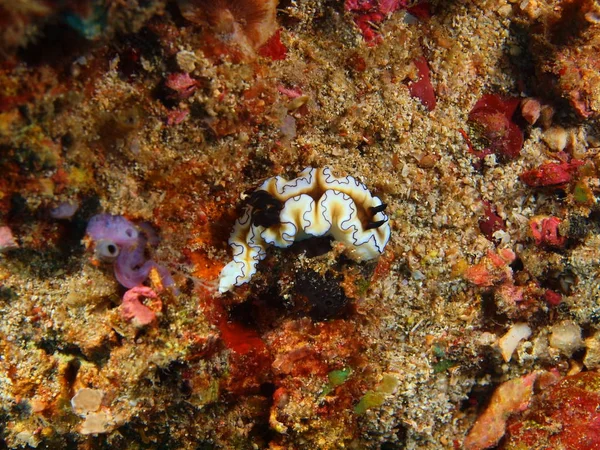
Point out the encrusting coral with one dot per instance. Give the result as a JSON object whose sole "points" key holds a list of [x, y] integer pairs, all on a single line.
{"points": [[281, 212]]}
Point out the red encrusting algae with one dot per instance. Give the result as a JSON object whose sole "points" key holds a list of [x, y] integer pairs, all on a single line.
{"points": [[492, 116], [551, 174], [422, 87]]}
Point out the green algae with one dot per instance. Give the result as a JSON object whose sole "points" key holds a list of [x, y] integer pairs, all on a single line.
{"points": [[376, 397], [336, 378]]}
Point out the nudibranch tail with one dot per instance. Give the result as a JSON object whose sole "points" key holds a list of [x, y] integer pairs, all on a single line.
{"points": [[281, 212]]}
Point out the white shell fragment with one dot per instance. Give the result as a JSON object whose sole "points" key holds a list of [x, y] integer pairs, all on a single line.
{"points": [[315, 204], [96, 423], [509, 342], [87, 400], [566, 337]]}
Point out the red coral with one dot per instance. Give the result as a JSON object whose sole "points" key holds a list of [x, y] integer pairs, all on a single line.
{"points": [[563, 415], [491, 222], [421, 11], [422, 88], [182, 84], [495, 103], [493, 116], [365, 23], [492, 269], [274, 48], [545, 231], [552, 298], [551, 174], [371, 12]]}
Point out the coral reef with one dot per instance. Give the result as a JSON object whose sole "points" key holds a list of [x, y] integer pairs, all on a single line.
{"points": [[135, 135]]}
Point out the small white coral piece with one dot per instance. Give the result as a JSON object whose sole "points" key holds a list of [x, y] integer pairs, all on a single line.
{"points": [[87, 403], [509, 342], [96, 423], [281, 212], [87, 400], [566, 337]]}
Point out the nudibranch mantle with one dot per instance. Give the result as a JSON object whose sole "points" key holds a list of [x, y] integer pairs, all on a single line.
{"points": [[281, 212]]}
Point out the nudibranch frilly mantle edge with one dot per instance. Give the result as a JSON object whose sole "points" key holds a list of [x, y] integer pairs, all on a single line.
{"points": [[280, 212]]}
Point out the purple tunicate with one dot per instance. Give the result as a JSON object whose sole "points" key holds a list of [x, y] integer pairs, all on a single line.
{"points": [[119, 240], [113, 228], [64, 210], [150, 233], [131, 268], [130, 276]]}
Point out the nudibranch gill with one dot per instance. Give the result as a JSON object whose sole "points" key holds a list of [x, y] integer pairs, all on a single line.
{"points": [[281, 212]]}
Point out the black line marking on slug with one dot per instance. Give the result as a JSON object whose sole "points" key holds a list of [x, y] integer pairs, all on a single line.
{"points": [[373, 225], [246, 216], [243, 275], [324, 210], [288, 238], [296, 182], [377, 209], [235, 246], [254, 244], [353, 213], [309, 223]]}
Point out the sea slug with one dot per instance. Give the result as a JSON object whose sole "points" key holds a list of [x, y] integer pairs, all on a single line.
{"points": [[281, 212]]}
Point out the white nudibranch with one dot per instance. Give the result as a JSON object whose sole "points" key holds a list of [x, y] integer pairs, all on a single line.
{"points": [[281, 212]]}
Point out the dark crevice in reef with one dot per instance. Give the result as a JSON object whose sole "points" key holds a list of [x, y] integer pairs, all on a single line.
{"points": [[7, 295], [70, 375], [313, 247], [494, 321], [60, 253], [58, 48], [325, 298], [54, 345], [3, 420], [132, 48]]}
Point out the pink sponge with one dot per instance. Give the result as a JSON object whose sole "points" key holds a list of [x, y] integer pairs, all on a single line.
{"points": [[132, 308]]}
